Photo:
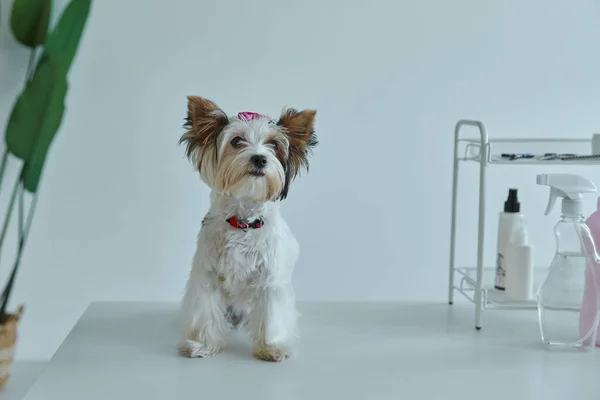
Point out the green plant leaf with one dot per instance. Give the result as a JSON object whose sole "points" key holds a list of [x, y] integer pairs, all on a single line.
{"points": [[29, 21], [32, 172], [35, 118], [27, 115], [63, 41]]}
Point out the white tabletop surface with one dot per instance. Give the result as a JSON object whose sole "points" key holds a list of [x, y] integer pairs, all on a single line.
{"points": [[347, 351]]}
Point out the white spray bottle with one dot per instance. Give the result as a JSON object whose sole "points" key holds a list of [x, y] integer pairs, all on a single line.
{"points": [[561, 293]]}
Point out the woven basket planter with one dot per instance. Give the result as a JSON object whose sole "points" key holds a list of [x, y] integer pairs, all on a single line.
{"points": [[8, 342]]}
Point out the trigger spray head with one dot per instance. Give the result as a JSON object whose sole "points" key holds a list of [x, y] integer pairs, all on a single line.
{"points": [[570, 188]]}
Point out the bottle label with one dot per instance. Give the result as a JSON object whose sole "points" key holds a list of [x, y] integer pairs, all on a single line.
{"points": [[500, 273]]}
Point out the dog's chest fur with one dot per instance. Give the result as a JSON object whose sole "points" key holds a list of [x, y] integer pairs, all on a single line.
{"points": [[240, 259], [241, 263]]}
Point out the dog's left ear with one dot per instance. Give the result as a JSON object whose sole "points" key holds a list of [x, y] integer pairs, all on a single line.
{"points": [[298, 126]]}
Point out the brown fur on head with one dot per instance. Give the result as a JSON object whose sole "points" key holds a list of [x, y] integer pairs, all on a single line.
{"points": [[227, 167], [298, 126], [204, 121]]}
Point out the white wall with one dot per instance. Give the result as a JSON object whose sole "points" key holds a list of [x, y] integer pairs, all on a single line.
{"points": [[120, 206]]}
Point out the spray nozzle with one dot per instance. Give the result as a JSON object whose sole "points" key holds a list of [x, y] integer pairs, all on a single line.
{"points": [[512, 205], [568, 186]]}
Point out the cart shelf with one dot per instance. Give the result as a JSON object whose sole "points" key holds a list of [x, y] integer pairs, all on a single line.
{"points": [[491, 297], [499, 160]]}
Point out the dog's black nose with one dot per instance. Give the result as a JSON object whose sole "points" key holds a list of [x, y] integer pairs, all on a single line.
{"points": [[258, 161]]}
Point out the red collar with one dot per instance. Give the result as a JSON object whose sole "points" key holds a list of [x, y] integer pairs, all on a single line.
{"points": [[243, 225]]}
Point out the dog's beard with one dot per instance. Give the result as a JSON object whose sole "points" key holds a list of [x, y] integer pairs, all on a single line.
{"points": [[237, 178]]}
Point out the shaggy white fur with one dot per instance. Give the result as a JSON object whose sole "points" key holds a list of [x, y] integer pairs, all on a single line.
{"points": [[244, 276]]}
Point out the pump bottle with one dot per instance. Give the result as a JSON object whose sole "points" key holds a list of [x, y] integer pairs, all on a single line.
{"points": [[508, 221], [560, 295]]}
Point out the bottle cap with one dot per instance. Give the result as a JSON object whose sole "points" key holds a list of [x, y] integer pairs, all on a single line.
{"points": [[512, 205], [571, 207]]}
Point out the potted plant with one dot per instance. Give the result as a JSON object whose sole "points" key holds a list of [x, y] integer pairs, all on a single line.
{"points": [[35, 118]]}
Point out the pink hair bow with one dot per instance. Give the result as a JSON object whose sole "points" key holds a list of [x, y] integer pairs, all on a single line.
{"points": [[249, 116]]}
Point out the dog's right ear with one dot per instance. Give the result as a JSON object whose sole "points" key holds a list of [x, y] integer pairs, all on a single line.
{"points": [[204, 122]]}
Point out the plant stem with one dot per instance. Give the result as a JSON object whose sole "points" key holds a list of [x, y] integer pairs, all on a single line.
{"points": [[7, 222], [9, 212], [13, 274], [21, 208], [20, 221], [30, 66], [2, 170], [3, 165]]}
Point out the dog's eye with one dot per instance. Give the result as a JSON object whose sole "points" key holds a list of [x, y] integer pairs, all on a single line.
{"points": [[236, 142], [272, 143]]}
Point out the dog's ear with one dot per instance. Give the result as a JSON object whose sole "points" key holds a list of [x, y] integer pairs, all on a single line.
{"points": [[298, 126], [204, 122]]}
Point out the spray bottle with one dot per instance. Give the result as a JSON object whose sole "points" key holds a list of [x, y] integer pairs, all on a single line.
{"points": [[560, 295]]}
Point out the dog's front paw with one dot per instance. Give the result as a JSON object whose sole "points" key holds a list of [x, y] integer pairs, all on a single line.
{"points": [[194, 349], [270, 353]]}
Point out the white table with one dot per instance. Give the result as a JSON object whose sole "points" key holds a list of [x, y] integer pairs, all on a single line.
{"points": [[347, 351]]}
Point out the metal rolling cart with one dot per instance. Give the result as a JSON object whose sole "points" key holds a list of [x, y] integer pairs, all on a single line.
{"points": [[480, 150]]}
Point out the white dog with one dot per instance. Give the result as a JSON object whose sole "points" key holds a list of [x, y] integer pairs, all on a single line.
{"points": [[246, 253]]}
